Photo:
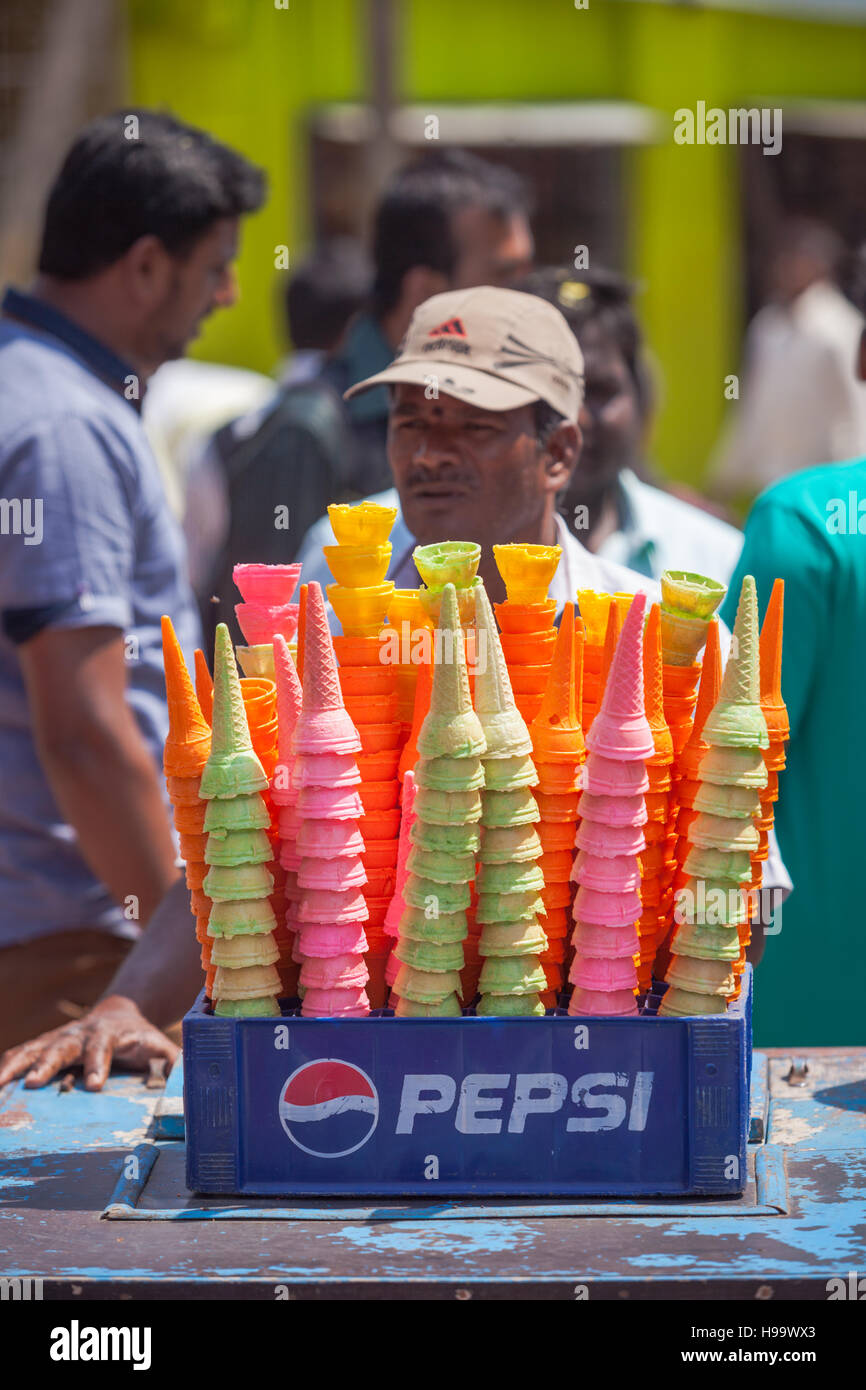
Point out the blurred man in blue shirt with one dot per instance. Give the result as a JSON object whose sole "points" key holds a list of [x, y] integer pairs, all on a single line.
{"points": [[141, 229]]}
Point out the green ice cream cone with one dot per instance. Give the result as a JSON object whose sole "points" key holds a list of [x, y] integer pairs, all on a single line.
{"points": [[501, 809], [681, 1003], [247, 1008], [441, 867], [510, 1006], [232, 768], [449, 774], [512, 975], [448, 897], [510, 878], [512, 939], [233, 847], [237, 813], [509, 774], [505, 730], [707, 943], [511, 844], [736, 720], [443, 930], [427, 955], [451, 728], [448, 808], [447, 839]]}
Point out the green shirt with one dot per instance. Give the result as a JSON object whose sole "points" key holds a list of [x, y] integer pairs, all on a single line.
{"points": [[807, 530]]}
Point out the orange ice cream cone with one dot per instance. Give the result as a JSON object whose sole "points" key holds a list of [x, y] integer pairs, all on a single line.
{"points": [[188, 743]]}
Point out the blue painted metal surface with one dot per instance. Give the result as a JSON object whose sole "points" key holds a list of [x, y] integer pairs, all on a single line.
{"points": [[160, 1180], [468, 1107], [61, 1155]]}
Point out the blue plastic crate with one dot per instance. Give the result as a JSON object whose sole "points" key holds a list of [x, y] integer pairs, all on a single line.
{"points": [[384, 1106]]}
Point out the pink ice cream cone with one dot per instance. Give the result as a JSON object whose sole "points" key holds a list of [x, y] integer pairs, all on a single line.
{"points": [[616, 875], [324, 942], [338, 770], [325, 725], [621, 730], [269, 584], [332, 908], [329, 803], [609, 777], [329, 839], [261, 623], [335, 1003], [337, 875], [288, 822], [392, 965], [590, 1003], [604, 942], [607, 909], [606, 975], [608, 841], [290, 859], [613, 810], [347, 971]]}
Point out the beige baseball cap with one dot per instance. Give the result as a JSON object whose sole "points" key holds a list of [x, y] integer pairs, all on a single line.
{"points": [[496, 348]]}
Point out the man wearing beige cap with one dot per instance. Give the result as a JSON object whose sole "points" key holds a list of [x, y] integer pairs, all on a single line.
{"points": [[483, 435]]}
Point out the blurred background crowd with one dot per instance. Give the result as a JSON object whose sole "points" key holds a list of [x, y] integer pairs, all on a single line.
{"points": [[735, 262]]}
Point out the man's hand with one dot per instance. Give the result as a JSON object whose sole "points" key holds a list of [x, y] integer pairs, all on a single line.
{"points": [[113, 1029]]}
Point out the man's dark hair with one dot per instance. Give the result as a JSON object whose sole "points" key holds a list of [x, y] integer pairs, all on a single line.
{"points": [[414, 220], [140, 173], [325, 291], [599, 299]]}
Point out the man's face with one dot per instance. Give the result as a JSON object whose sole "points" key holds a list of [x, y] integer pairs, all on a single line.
{"points": [[491, 250], [610, 419], [464, 473], [197, 283]]}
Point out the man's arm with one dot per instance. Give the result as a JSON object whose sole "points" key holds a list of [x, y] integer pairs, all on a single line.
{"points": [[99, 767], [153, 988]]}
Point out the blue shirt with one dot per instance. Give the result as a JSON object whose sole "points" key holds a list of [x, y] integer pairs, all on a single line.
{"points": [[86, 539]]}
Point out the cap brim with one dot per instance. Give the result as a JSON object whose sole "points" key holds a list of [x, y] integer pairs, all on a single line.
{"points": [[468, 384]]}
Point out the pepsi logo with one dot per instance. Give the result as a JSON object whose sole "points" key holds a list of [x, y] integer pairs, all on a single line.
{"points": [[329, 1108]]}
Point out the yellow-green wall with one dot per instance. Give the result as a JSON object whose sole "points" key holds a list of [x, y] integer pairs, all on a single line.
{"points": [[249, 71]]}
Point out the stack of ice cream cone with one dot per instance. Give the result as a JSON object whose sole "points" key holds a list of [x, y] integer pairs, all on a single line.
{"points": [[685, 783], [284, 797], [510, 940], [778, 731], [711, 906], [559, 752], [526, 620], [187, 747], [359, 562], [266, 610], [444, 836], [330, 914], [610, 836], [657, 861], [237, 853]]}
